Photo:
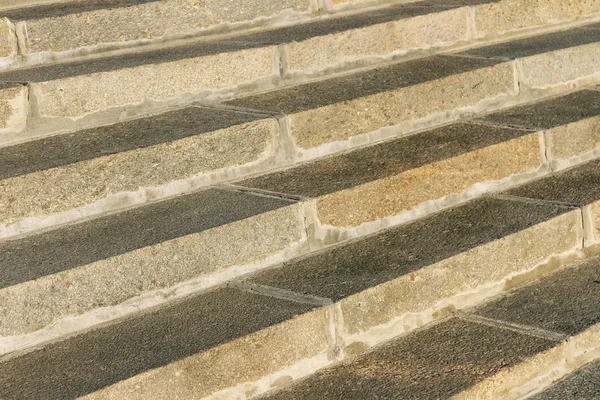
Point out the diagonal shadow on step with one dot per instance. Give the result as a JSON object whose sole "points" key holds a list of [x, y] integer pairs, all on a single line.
{"points": [[205, 48]]}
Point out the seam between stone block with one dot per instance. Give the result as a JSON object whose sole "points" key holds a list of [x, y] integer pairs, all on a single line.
{"points": [[262, 193], [484, 122], [508, 197], [519, 328], [281, 294]]}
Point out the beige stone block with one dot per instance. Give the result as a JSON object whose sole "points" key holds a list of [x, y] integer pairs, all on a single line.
{"points": [[8, 39], [240, 362], [32, 305], [149, 20], [77, 96], [389, 196], [561, 66], [436, 29], [510, 15], [341, 121], [575, 139], [13, 108], [486, 265], [595, 207], [61, 189]]}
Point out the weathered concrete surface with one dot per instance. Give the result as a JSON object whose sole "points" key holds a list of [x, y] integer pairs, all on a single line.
{"points": [[579, 185], [571, 122], [101, 357], [66, 172], [430, 364], [145, 20], [396, 176], [340, 108]]}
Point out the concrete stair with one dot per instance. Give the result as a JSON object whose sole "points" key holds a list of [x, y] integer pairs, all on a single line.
{"points": [[204, 205]]}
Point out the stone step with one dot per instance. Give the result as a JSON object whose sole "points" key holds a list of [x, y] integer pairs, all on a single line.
{"points": [[132, 162], [505, 349], [281, 323], [582, 384], [295, 210], [73, 95]]}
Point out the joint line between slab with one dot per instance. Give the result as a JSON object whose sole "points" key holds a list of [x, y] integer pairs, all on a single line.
{"points": [[263, 193], [523, 329], [542, 202], [483, 122], [282, 294]]}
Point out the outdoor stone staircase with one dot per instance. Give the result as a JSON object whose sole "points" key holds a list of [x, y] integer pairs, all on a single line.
{"points": [[299, 199]]}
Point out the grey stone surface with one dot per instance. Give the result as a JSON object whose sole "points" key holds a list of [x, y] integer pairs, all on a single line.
{"points": [[93, 360], [48, 9], [582, 385], [537, 44], [434, 363], [551, 113], [61, 150], [567, 302], [282, 35], [64, 248], [343, 171], [351, 268], [335, 90], [579, 185]]}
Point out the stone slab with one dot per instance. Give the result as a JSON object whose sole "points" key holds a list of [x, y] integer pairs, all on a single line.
{"points": [[430, 364], [572, 122], [360, 265], [13, 108], [65, 149], [503, 16], [237, 365], [207, 255], [583, 384], [395, 176], [145, 20], [80, 95], [66, 172], [19, 10], [579, 185], [342, 107], [59, 250], [567, 302], [90, 361], [418, 27], [554, 59]]}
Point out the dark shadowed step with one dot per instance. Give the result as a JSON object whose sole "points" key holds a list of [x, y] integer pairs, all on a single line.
{"points": [[60, 8], [551, 113], [434, 363], [87, 144], [539, 44], [351, 268], [579, 185], [72, 246], [343, 171], [582, 385], [567, 302], [88, 362], [281, 35]]}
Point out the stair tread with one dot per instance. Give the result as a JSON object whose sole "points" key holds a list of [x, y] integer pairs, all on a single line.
{"points": [[582, 384], [450, 356]]}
